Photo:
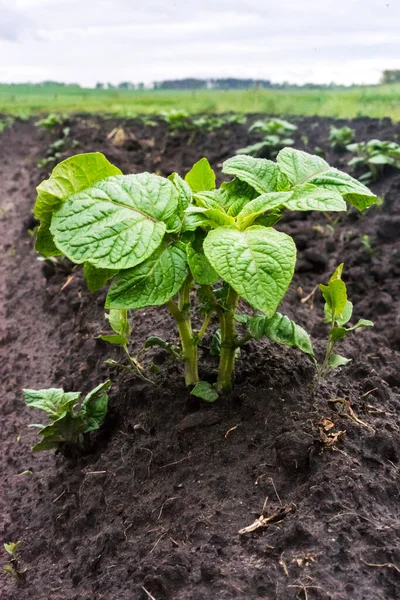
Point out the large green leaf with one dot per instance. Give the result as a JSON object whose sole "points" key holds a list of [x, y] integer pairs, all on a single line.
{"points": [[301, 167], [258, 263], [311, 197], [201, 177], [151, 283], [70, 176], [117, 223], [259, 173], [44, 239], [52, 400]]}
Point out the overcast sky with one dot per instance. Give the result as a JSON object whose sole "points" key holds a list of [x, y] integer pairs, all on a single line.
{"points": [[85, 41]]}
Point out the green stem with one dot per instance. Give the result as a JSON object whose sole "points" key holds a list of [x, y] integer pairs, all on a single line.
{"points": [[181, 314], [203, 329], [228, 341], [324, 368]]}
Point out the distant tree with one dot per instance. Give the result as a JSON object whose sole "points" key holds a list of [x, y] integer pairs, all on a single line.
{"points": [[390, 76], [99, 86], [126, 85]]}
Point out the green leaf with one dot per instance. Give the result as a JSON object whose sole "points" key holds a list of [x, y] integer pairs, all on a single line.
{"points": [[201, 176], [48, 443], [151, 283], [118, 319], [234, 195], [338, 333], [344, 317], [192, 221], [117, 223], [96, 278], [203, 273], [216, 216], [338, 361], [259, 173], [52, 400], [205, 391], [301, 167], [311, 197], [335, 295], [281, 330], [258, 263], [45, 241], [70, 176], [259, 206], [95, 406], [184, 191], [361, 323], [114, 338], [337, 274]]}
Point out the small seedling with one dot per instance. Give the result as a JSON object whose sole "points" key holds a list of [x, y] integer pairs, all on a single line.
{"points": [[340, 137], [374, 155], [337, 312], [13, 567], [158, 240], [5, 123], [176, 118], [69, 417], [52, 122], [275, 138]]}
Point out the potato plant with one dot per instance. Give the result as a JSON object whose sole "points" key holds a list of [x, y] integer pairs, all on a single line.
{"points": [[338, 311], [340, 137], [276, 132], [374, 155], [156, 238], [69, 417]]}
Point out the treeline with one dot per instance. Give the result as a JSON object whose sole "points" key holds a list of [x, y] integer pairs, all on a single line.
{"points": [[391, 76]]}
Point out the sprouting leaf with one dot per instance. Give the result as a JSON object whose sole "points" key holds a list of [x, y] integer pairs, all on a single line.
{"points": [[259, 206], [258, 263], [281, 330], [335, 296], [94, 407], [338, 361], [217, 217], [201, 176], [337, 333], [114, 338], [205, 391], [118, 319], [361, 323], [259, 173], [96, 278], [301, 168], [117, 223], [151, 283]]}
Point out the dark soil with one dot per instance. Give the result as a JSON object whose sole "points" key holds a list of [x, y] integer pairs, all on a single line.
{"points": [[158, 501]]}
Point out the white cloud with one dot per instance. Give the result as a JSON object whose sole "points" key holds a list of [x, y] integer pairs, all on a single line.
{"points": [[112, 40]]}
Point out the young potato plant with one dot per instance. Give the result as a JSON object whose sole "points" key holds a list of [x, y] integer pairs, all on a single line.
{"points": [[275, 138], [337, 313], [340, 137], [374, 155], [69, 417], [157, 238], [13, 566]]}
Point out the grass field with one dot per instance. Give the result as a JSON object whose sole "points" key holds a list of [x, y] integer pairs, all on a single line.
{"points": [[377, 101]]}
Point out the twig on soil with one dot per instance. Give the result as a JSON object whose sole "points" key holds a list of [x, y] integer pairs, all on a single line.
{"points": [[158, 541], [68, 281], [276, 492], [231, 429], [390, 565], [176, 462], [163, 504], [60, 496], [310, 296], [148, 593], [347, 411], [262, 521]]}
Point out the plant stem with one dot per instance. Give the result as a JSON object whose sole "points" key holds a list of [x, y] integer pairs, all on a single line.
{"points": [[228, 341], [203, 329], [324, 368], [181, 314]]}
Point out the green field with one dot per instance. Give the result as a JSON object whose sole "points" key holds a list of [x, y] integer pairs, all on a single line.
{"points": [[375, 101]]}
